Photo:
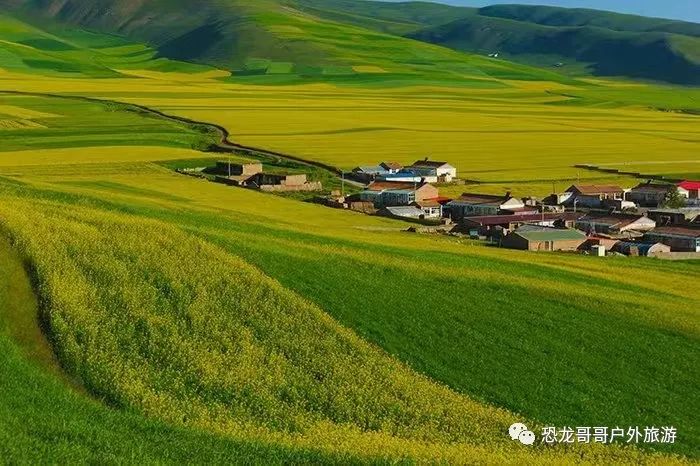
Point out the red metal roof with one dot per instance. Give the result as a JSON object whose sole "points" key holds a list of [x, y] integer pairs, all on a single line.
{"points": [[689, 185], [442, 199], [382, 185]]}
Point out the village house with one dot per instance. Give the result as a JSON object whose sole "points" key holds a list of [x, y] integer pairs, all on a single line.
{"points": [[652, 194], [618, 205], [497, 225], [614, 224], [367, 174], [386, 193], [251, 175], [592, 195], [238, 169], [679, 238], [274, 182], [407, 176], [538, 238], [630, 248], [469, 205], [442, 171], [431, 208], [391, 167], [693, 189], [666, 217]]}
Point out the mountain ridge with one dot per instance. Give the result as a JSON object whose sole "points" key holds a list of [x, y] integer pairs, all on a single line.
{"points": [[334, 37]]}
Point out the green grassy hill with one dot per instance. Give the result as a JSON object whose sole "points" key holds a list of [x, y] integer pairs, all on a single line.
{"points": [[343, 37], [151, 317], [274, 43], [601, 43]]}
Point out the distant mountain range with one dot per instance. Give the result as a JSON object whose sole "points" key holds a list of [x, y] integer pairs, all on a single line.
{"points": [[331, 34]]}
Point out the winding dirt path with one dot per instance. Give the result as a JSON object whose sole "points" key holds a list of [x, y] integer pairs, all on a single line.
{"points": [[225, 144]]}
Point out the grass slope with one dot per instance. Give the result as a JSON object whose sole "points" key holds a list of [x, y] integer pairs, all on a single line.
{"points": [[229, 321], [34, 399], [54, 50], [602, 51], [273, 39], [234, 354]]}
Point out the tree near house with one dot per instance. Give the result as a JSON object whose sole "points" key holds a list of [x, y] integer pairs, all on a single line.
{"points": [[674, 200]]}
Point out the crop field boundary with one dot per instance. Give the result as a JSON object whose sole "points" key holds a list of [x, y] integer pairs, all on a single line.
{"points": [[225, 144], [24, 315], [652, 176]]}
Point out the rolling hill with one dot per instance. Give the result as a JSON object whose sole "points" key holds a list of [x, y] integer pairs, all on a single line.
{"points": [[342, 37], [147, 317], [267, 39], [603, 44]]}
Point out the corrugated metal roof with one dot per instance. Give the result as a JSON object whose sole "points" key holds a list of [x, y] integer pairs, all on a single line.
{"points": [[652, 187], [611, 220], [593, 189], [537, 233], [481, 199], [502, 219], [625, 247], [384, 185], [371, 169], [405, 211], [690, 231]]}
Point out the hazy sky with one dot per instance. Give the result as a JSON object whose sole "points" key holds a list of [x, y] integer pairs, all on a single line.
{"points": [[688, 10]]}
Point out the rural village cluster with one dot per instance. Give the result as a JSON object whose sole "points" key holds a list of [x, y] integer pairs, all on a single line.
{"points": [[654, 218]]}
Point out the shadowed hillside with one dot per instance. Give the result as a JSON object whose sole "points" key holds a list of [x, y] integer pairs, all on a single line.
{"points": [[606, 44], [340, 37]]}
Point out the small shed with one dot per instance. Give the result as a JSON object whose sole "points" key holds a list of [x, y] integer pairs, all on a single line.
{"points": [[537, 238], [630, 248]]}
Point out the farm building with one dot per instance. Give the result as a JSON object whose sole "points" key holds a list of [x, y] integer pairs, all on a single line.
{"points": [[386, 193], [238, 169], [606, 242], [391, 167], [407, 176], [274, 182], [469, 205], [693, 189], [403, 211], [630, 248], [614, 224], [431, 208], [443, 171], [538, 238], [679, 238], [494, 225], [367, 174], [652, 194], [618, 204], [593, 195], [666, 217], [557, 199]]}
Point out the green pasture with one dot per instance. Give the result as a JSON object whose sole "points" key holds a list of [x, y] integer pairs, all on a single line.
{"points": [[70, 123], [460, 313], [147, 316]]}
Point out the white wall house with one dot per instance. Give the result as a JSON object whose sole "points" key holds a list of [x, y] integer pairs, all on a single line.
{"points": [[442, 170]]}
